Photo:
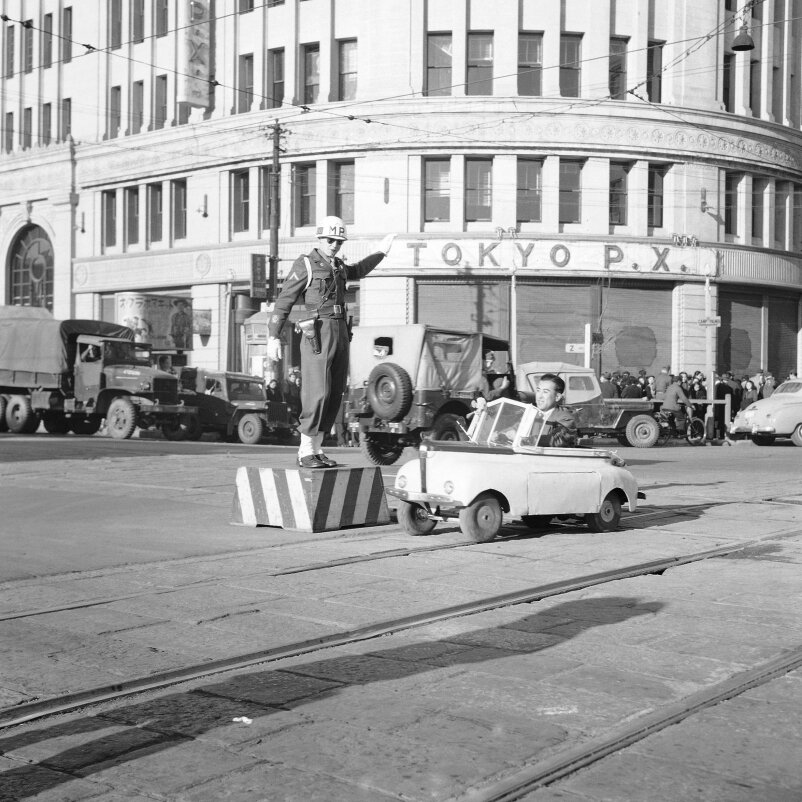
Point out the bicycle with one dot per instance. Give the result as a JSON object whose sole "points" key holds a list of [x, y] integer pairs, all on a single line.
{"points": [[694, 432]]}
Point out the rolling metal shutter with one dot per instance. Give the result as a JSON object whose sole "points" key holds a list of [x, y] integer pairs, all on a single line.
{"points": [[739, 341], [465, 305], [783, 328]]}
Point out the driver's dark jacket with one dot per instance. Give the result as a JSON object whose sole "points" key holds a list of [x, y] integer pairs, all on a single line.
{"points": [[559, 430]]}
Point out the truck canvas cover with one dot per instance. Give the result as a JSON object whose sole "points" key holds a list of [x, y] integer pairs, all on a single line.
{"points": [[31, 340]]}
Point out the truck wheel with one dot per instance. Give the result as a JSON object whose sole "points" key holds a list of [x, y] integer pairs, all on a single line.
{"points": [[481, 520], [20, 416], [796, 435], [608, 517], [173, 430], [193, 429], [389, 391], [447, 427], [250, 429], [414, 518], [537, 523], [55, 423], [84, 425], [121, 418], [3, 421], [642, 431], [381, 449]]}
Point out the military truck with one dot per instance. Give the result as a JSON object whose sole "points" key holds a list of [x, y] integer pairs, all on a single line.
{"points": [[71, 374], [413, 381], [233, 405], [631, 421]]}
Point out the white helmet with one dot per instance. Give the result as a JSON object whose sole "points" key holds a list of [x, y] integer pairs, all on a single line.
{"points": [[332, 228]]}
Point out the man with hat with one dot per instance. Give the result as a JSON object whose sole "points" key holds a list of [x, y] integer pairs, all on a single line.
{"points": [[319, 280]]}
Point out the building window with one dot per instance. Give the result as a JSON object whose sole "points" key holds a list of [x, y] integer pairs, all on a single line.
{"points": [[529, 191], [9, 65], [115, 105], [654, 72], [759, 186], [47, 123], [731, 181], [478, 190], [436, 190], [8, 132], [570, 191], [27, 45], [530, 64], [66, 35], [65, 125], [570, 64], [27, 128], [108, 214], [780, 214], [438, 64], [240, 200], [162, 17], [654, 209], [179, 207], [138, 20], [154, 200], [754, 87], [346, 89], [618, 193], [480, 64], [728, 86], [244, 5], [137, 106], [245, 85], [266, 176], [304, 185], [159, 101], [618, 68], [344, 191], [116, 24], [272, 3], [47, 41], [275, 79], [131, 199], [311, 72]]}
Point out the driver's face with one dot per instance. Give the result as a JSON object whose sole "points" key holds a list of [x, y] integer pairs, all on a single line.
{"points": [[328, 246], [546, 396]]}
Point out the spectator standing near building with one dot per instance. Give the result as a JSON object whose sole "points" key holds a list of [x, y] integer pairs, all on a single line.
{"points": [[768, 386], [750, 394], [721, 391]]}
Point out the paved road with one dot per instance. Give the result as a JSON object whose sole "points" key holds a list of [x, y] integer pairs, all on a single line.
{"points": [[129, 546]]}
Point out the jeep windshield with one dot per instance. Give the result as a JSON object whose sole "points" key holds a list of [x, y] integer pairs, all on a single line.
{"points": [[243, 390]]}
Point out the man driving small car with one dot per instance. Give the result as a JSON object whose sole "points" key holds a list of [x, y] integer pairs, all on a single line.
{"points": [[558, 423]]}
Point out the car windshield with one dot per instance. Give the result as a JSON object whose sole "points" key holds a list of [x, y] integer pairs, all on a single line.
{"points": [[500, 423], [240, 390], [788, 387]]}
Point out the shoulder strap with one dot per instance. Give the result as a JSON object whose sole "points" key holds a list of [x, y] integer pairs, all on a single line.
{"points": [[308, 272]]}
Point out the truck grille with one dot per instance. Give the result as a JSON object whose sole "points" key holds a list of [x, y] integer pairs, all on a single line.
{"points": [[165, 390]]}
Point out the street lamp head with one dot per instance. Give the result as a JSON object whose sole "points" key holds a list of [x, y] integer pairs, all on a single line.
{"points": [[743, 41]]}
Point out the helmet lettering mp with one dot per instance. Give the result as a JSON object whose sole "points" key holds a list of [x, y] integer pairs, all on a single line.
{"points": [[332, 228]]}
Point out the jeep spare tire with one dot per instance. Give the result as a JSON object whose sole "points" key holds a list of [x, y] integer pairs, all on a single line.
{"points": [[389, 391]]}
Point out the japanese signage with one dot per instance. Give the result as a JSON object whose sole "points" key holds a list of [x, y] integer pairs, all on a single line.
{"points": [[164, 321], [194, 53], [551, 255]]}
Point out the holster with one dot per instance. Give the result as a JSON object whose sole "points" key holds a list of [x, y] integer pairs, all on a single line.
{"points": [[310, 329]]}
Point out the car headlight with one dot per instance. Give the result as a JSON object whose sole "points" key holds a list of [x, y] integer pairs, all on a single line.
{"points": [[448, 486], [401, 481]]}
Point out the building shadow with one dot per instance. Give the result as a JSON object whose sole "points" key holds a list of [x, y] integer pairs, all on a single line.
{"points": [[176, 718]]}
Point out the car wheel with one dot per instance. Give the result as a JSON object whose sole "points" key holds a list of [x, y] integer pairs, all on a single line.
{"points": [[481, 520], [448, 427], [3, 421], [695, 432], [80, 424], [55, 423], [763, 439], [796, 435], [608, 517], [381, 449], [537, 523], [414, 518], [20, 417], [642, 431], [121, 418], [250, 429], [389, 391]]}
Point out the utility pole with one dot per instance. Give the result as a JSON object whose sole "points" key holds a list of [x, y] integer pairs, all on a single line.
{"points": [[275, 174]]}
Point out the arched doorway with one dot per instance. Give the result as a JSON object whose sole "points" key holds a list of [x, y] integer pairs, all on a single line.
{"points": [[30, 269]]}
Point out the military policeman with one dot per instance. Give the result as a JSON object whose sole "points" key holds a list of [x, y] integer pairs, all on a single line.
{"points": [[319, 278]]}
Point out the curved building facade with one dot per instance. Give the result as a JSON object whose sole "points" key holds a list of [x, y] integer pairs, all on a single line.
{"points": [[597, 179]]}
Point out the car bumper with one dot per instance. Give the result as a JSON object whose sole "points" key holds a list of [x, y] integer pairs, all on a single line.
{"points": [[740, 430]]}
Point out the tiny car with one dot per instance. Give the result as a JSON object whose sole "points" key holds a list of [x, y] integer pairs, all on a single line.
{"points": [[502, 470], [779, 415]]}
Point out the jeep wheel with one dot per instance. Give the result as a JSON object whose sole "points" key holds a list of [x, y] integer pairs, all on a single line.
{"points": [[481, 519], [608, 516], [383, 449], [389, 391], [121, 418], [3, 421], [250, 429], [55, 422], [448, 427], [414, 519], [642, 431]]}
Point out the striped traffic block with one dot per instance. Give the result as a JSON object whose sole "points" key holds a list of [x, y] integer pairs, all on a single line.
{"points": [[310, 501]]}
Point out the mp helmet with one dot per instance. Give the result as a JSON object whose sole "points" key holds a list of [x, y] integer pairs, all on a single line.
{"points": [[332, 228]]}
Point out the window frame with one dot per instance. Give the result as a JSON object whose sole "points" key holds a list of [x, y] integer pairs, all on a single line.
{"points": [[275, 57], [443, 86], [114, 112], [178, 208], [154, 202], [479, 69], [159, 89], [655, 195], [66, 35], [65, 119], [9, 52], [570, 64], [115, 24], [570, 196], [343, 190], [27, 47], [137, 107], [524, 194], [161, 18], [108, 218], [8, 132], [137, 21], [619, 193], [310, 73], [46, 132], [436, 193], [758, 210], [617, 61], [530, 70], [304, 185], [478, 212], [131, 215], [732, 180], [244, 83], [47, 41], [240, 204], [346, 78], [654, 71]]}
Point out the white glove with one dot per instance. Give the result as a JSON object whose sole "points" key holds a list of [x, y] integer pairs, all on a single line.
{"points": [[274, 348], [386, 244]]}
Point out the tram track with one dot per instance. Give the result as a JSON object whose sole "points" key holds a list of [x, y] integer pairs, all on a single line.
{"points": [[66, 703]]}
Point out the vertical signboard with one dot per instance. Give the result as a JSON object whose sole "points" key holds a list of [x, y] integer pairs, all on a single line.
{"points": [[164, 321], [258, 288], [194, 53]]}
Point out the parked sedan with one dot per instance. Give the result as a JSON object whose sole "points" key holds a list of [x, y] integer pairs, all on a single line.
{"points": [[502, 471], [777, 416]]}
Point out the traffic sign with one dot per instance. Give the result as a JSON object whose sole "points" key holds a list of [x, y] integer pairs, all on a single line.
{"points": [[710, 321], [575, 348]]}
